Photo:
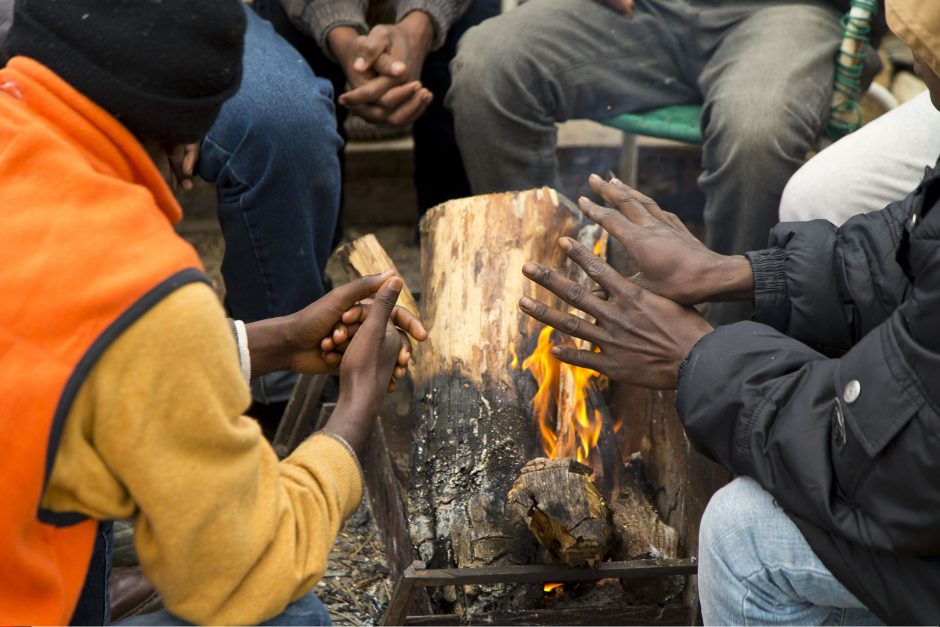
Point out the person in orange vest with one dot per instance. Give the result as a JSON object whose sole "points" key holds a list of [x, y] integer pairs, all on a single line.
{"points": [[123, 384]]}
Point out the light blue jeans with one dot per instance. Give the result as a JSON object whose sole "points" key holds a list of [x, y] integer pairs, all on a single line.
{"points": [[755, 567], [273, 154], [307, 610]]}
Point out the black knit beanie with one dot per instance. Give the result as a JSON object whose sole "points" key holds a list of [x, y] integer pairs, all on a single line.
{"points": [[161, 67]]}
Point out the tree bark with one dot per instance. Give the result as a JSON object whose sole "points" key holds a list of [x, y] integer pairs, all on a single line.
{"points": [[474, 427]]}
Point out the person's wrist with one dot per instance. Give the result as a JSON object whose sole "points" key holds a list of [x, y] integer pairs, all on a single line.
{"points": [[353, 420], [270, 344], [729, 279], [419, 29], [339, 39]]}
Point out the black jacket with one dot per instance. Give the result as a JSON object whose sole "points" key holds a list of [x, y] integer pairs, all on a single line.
{"points": [[833, 403]]}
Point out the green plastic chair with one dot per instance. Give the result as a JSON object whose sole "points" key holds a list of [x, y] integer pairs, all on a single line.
{"points": [[682, 123]]}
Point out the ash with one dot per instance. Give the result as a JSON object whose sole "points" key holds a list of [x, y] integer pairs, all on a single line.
{"points": [[356, 586]]}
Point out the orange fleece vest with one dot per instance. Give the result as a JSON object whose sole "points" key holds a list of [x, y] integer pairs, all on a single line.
{"points": [[88, 246]]}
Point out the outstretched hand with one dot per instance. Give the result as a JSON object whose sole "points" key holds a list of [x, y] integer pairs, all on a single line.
{"points": [[642, 337], [670, 261], [367, 366]]}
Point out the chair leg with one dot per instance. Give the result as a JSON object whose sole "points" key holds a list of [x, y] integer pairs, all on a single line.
{"points": [[629, 160]]}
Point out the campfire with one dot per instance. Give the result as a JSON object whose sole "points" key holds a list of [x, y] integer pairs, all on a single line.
{"points": [[517, 479]]}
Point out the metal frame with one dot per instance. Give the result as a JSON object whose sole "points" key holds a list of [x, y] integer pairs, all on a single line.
{"points": [[418, 576]]}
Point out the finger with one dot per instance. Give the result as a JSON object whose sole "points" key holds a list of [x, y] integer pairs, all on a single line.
{"points": [[391, 387], [397, 96], [410, 323], [190, 157], [345, 296], [371, 47], [332, 359], [381, 310], [369, 92], [389, 66], [411, 110], [571, 292], [596, 268], [600, 293], [399, 373], [651, 206], [404, 355], [621, 198], [371, 113], [567, 323], [582, 358], [350, 334], [401, 318]]}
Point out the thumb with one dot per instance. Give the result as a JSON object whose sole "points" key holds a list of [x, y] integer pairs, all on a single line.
{"points": [[345, 296], [381, 309]]}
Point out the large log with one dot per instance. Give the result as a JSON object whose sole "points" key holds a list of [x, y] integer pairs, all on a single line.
{"points": [[474, 428]]}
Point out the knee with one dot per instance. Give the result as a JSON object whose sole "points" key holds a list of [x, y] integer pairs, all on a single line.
{"points": [[727, 524], [307, 610], [488, 67], [798, 201], [751, 130]]}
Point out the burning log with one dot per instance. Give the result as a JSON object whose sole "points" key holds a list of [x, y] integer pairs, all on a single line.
{"points": [[473, 425], [564, 510]]}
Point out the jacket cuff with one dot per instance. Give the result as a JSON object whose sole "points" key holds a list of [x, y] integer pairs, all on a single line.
{"points": [[771, 297], [443, 14]]}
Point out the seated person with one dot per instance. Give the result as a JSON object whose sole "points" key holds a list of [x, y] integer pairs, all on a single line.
{"points": [[123, 392], [391, 74], [762, 69], [864, 171], [826, 407]]}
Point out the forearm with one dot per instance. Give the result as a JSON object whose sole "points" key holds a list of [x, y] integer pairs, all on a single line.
{"points": [[442, 14], [730, 280]]}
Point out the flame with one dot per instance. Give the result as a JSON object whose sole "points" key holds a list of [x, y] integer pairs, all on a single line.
{"points": [[515, 358], [549, 587], [563, 388]]}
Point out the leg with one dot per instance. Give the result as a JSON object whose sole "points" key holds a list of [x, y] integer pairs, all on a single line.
{"points": [[272, 152], [755, 567], [862, 172], [766, 91], [516, 75], [94, 604], [307, 610], [439, 170]]}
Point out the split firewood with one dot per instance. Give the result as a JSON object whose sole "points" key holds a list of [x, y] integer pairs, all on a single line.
{"points": [[365, 256], [564, 510]]}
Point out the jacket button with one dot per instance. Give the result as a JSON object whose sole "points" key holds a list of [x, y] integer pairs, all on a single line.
{"points": [[852, 389]]}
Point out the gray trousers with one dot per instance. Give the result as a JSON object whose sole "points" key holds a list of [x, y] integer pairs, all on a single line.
{"points": [[762, 68]]}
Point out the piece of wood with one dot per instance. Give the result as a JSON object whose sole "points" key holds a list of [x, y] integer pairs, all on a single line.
{"points": [[474, 427], [564, 510], [641, 534], [671, 614], [365, 256], [300, 415]]}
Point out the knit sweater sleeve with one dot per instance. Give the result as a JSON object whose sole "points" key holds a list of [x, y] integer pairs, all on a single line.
{"points": [[443, 15], [227, 534], [316, 18]]}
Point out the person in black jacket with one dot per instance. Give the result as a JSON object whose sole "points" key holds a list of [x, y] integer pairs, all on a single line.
{"points": [[826, 406]]}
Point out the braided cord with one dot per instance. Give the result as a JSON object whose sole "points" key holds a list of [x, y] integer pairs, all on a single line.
{"points": [[845, 113]]}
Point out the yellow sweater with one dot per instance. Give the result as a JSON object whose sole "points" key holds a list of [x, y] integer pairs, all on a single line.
{"points": [[226, 533]]}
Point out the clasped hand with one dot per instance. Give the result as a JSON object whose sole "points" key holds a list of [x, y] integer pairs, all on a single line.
{"points": [[384, 68]]}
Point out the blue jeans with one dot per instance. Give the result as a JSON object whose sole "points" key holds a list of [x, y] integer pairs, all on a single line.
{"points": [[307, 610], [755, 567], [94, 604], [273, 155]]}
